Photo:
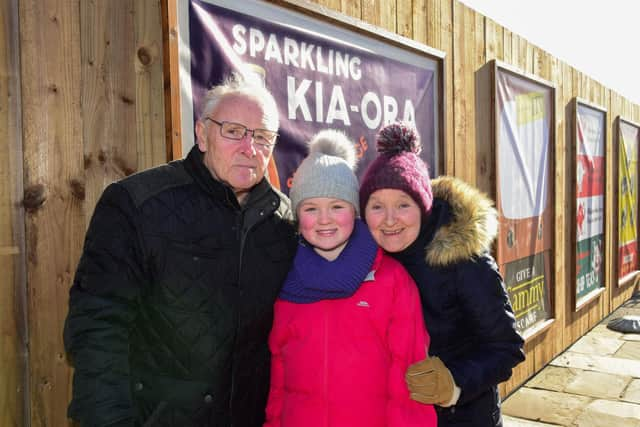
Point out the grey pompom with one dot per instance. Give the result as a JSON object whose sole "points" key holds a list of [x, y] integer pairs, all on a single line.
{"points": [[334, 143]]}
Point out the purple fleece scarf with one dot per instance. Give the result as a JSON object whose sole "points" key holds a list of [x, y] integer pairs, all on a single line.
{"points": [[313, 278]]}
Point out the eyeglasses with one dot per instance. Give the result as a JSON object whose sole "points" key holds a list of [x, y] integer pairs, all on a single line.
{"points": [[236, 131]]}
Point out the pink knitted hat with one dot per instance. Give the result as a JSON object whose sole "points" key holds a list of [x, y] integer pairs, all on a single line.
{"points": [[398, 167]]}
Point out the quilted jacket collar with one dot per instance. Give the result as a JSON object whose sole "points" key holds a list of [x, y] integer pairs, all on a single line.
{"points": [[195, 166]]}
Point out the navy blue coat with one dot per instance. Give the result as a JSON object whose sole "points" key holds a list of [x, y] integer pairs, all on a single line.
{"points": [[466, 307]]}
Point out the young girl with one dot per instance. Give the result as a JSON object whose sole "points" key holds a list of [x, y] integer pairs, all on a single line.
{"points": [[348, 321]]}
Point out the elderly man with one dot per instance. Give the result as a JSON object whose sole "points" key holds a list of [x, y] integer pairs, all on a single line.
{"points": [[171, 305]]}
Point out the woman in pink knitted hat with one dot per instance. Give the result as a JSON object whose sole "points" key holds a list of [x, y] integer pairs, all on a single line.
{"points": [[442, 231]]}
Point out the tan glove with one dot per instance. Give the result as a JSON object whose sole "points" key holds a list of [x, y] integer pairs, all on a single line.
{"points": [[430, 382]]}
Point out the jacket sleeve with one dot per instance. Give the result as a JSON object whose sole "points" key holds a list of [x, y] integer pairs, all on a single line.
{"points": [[277, 340], [102, 304], [408, 342], [487, 310]]}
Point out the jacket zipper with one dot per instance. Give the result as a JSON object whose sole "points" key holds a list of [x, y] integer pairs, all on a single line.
{"points": [[326, 365], [243, 236], [233, 377]]}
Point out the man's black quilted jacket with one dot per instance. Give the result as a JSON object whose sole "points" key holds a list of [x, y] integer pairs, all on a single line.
{"points": [[172, 302]]}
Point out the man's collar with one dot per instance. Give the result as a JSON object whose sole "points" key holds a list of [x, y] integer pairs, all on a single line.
{"points": [[218, 189]]}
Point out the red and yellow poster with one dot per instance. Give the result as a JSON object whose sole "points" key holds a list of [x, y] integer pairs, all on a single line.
{"points": [[590, 182], [523, 149], [627, 198]]}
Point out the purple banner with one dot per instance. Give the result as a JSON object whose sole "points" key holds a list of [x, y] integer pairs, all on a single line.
{"points": [[322, 77]]}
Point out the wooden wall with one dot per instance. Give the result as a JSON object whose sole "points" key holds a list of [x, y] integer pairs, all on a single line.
{"points": [[92, 110], [82, 103]]}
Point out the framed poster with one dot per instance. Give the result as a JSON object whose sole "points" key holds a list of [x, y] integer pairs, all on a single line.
{"points": [[589, 183], [524, 119], [628, 137], [324, 70]]}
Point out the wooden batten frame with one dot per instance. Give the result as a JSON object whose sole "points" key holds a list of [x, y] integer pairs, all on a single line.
{"points": [[321, 14], [538, 329], [585, 301], [171, 69], [632, 277]]}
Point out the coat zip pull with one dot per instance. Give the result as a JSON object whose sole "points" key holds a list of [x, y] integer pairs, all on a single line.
{"points": [[326, 364]]}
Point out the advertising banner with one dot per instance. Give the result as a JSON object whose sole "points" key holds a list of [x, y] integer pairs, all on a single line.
{"points": [[322, 76], [523, 149], [628, 137], [528, 289], [590, 205]]}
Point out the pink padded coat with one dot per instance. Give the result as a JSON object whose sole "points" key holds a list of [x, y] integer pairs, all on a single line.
{"points": [[341, 362]]}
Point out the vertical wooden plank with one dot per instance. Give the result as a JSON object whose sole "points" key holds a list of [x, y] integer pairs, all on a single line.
{"points": [[614, 112], [540, 66], [420, 17], [150, 124], [404, 18], [626, 109], [465, 36], [610, 210], [508, 47], [172, 86], [621, 108], [586, 87], [380, 12], [480, 77], [578, 320], [524, 62], [440, 36], [597, 93], [541, 63], [459, 44], [13, 317], [479, 47], [529, 56], [54, 191], [352, 8], [330, 4], [108, 94], [556, 338], [494, 40], [435, 26], [485, 178], [563, 298], [515, 51]]}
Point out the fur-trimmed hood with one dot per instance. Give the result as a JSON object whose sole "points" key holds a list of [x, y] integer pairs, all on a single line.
{"points": [[472, 227]]}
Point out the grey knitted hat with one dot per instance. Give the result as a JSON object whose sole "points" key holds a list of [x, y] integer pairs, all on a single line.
{"points": [[327, 171]]}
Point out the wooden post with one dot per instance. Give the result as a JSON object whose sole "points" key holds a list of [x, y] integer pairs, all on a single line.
{"points": [[14, 394], [54, 191]]}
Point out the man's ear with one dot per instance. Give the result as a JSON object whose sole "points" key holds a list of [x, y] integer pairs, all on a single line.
{"points": [[201, 136]]}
